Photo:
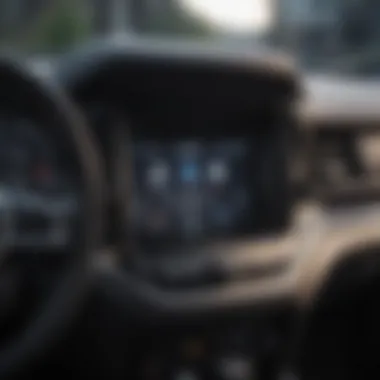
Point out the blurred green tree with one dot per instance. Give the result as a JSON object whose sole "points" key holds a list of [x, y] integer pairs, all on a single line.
{"points": [[61, 26]]}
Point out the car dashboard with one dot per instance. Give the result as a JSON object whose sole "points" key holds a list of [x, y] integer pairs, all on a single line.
{"points": [[240, 203], [197, 148]]}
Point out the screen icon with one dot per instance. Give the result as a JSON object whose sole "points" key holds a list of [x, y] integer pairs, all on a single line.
{"points": [[158, 175], [218, 172], [189, 172]]}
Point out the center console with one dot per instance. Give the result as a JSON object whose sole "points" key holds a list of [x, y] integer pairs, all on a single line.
{"points": [[241, 349]]}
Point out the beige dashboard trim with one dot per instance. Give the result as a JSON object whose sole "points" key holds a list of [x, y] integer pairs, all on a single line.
{"points": [[312, 271]]}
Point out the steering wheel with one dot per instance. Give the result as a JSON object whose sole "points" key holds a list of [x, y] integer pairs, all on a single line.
{"points": [[24, 93]]}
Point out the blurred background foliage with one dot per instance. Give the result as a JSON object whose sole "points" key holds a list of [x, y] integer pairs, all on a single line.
{"points": [[60, 26], [44, 25], [55, 26]]}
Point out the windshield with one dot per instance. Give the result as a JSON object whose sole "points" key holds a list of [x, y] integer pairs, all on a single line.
{"points": [[56, 25], [329, 35]]}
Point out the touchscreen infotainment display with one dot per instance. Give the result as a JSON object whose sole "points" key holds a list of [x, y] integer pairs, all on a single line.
{"points": [[191, 189]]}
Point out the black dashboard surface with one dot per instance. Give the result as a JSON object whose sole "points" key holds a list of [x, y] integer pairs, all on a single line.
{"points": [[172, 54]]}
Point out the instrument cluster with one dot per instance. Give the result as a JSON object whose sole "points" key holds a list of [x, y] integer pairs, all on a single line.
{"points": [[37, 200]]}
